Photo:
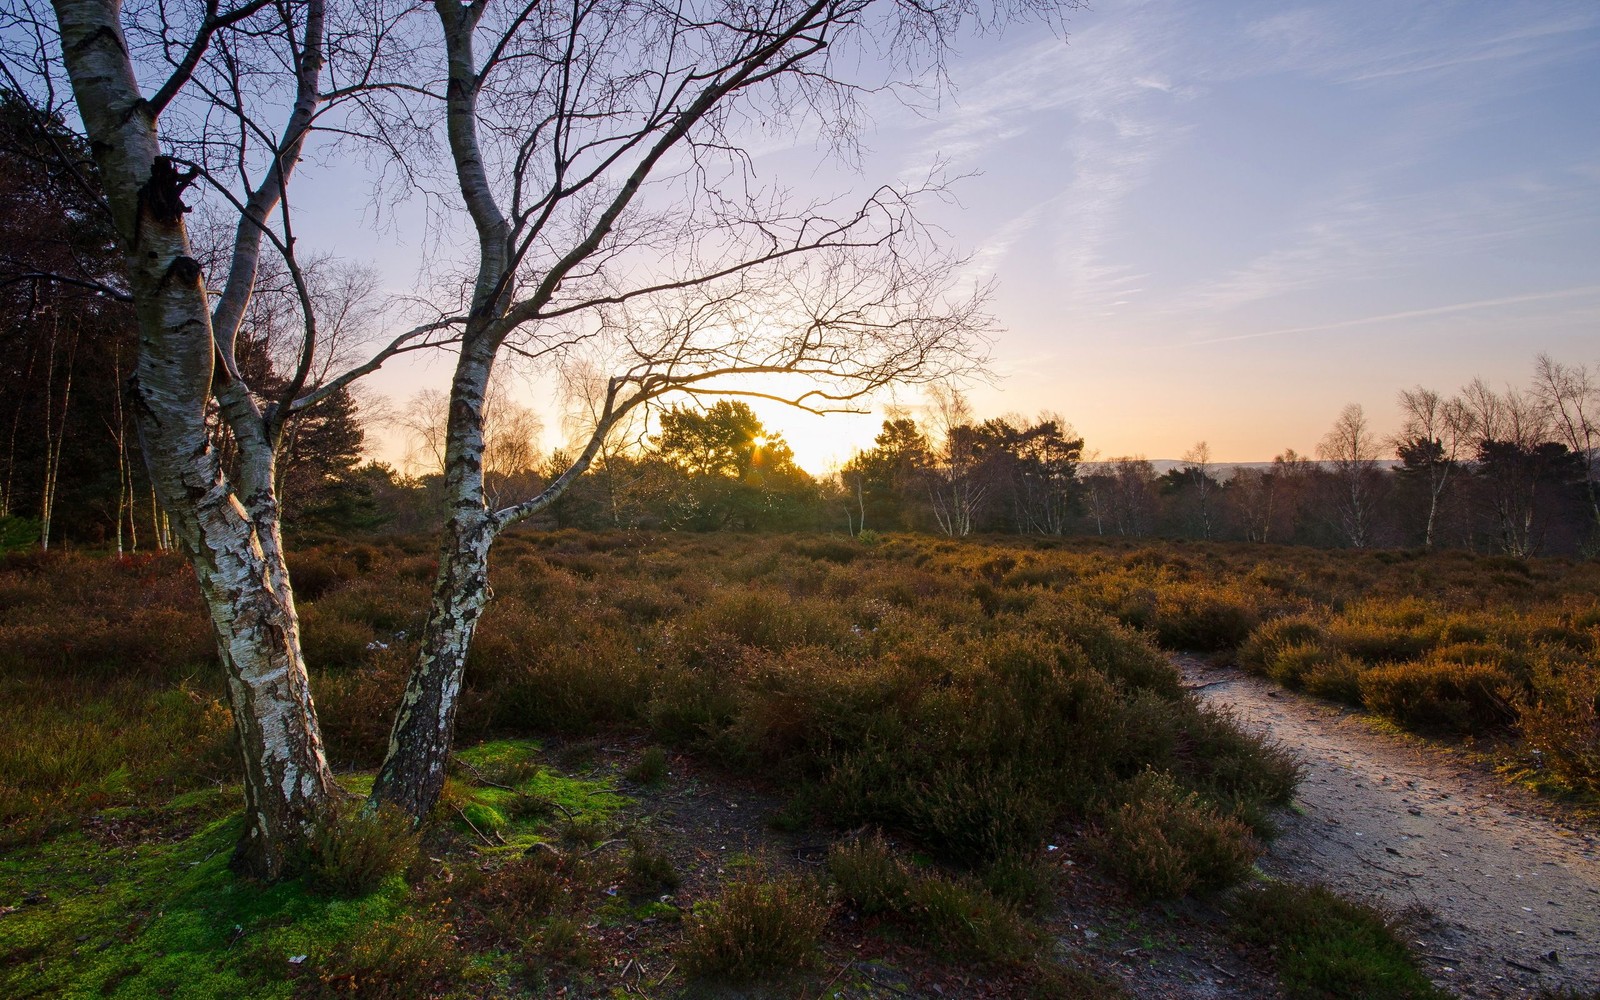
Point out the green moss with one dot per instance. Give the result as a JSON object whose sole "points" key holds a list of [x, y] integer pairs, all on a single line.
{"points": [[484, 818], [504, 810], [166, 918]]}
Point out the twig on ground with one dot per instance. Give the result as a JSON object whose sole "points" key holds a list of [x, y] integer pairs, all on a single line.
{"points": [[842, 970], [479, 774], [1518, 965], [486, 841], [1225, 972]]}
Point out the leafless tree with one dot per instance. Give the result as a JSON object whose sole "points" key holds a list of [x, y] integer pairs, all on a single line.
{"points": [[955, 491], [595, 151], [1197, 467], [1350, 452], [1433, 431], [1511, 428], [1250, 495], [1571, 395], [1127, 488]]}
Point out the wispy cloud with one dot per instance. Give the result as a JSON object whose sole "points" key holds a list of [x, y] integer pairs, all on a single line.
{"points": [[1103, 107], [1408, 314]]}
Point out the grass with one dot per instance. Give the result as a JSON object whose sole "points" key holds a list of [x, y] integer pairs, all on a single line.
{"points": [[1326, 947]]}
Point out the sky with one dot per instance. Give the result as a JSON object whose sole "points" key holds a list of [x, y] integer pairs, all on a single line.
{"points": [[1225, 221]]}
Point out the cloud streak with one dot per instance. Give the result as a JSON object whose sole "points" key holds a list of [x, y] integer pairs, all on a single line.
{"points": [[1458, 307]]}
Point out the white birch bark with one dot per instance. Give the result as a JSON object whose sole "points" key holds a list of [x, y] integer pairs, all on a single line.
{"points": [[237, 552]]}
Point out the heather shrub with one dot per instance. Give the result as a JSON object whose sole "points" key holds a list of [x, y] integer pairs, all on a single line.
{"points": [[360, 849], [758, 927], [953, 915], [1375, 642], [965, 921], [383, 603], [1203, 617], [650, 871], [1164, 842], [554, 670], [1337, 678], [1561, 720], [355, 707], [650, 768], [408, 958], [1245, 773], [506, 904], [316, 572], [1431, 694], [332, 642], [69, 747], [870, 877], [561, 942], [1268, 643]]}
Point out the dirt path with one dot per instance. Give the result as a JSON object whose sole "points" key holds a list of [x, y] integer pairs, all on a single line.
{"points": [[1513, 894]]}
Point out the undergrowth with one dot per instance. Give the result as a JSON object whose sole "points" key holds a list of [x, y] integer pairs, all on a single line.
{"points": [[1326, 947], [969, 698]]}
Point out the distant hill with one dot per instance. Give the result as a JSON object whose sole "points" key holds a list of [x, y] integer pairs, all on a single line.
{"points": [[1222, 471]]}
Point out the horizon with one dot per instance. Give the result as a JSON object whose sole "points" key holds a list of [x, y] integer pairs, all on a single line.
{"points": [[1226, 225]]}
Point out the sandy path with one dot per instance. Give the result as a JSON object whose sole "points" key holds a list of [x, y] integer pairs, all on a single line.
{"points": [[1415, 826]]}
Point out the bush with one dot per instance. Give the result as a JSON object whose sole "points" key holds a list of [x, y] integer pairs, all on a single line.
{"points": [[406, 959], [953, 915], [870, 877], [359, 849], [650, 871], [1165, 843], [1562, 719], [561, 943], [506, 904], [71, 746], [1203, 617], [1268, 642], [1337, 679], [757, 928], [1462, 698], [650, 769]]}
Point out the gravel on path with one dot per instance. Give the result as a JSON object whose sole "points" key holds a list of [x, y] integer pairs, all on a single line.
{"points": [[1511, 892]]}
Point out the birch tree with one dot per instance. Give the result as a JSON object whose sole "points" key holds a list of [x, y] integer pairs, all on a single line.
{"points": [[222, 74], [1432, 433], [1571, 395], [594, 154], [1350, 453], [597, 153]]}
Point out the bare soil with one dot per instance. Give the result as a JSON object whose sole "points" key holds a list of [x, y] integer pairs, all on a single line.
{"points": [[1500, 889]]}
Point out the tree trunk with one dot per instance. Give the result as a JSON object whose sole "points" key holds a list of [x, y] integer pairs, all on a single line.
{"points": [[413, 770], [235, 546]]}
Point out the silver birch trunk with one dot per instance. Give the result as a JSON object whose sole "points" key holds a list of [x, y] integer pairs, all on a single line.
{"points": [[413, 770], [235, 547]]}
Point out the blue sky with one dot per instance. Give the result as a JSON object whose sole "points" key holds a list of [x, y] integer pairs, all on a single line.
{"points": [[1226, 220]]}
